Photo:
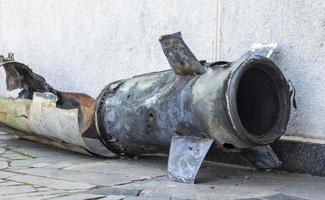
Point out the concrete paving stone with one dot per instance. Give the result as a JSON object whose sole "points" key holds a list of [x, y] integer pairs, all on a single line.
{"points": [[302, 185], [24, 143], [150, 198], [3, 143], [30, 162], [46, 152], [17, 156], [95, 165], [82, 177], [147, 198], [81, 159], [5, 174], [54, 165], [99, 166], [280, 196], [50, 183], [9, 183], [36, 198], [64, 173], [36, 195], [24, 196], [15, 168], [60, 165], [42, 188], [16, 189], [50, 160], [38, 165], [7, 137], [4, 159], [3, 164], [81, 196], [40, 150], [113, 197], [139, 167], [116, 191], [2, 150], [168, 189]]}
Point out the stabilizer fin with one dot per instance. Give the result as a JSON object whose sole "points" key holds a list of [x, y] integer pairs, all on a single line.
{"points": [[262, 157], [179, 56], [186, 156]]}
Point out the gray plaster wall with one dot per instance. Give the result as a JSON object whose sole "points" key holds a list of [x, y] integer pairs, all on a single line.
{"points": [[82, 45], [299, 28]]}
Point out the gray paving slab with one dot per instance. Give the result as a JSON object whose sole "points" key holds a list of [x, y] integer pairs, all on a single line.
{"points": [[36, 195], [92, 178], [280, 196], [5, 174], [117, 191], [35, 171], [16, 189], [79, 196], [50, 183], [115, 197]]}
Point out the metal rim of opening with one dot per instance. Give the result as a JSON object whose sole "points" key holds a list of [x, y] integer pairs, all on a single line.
{"points": [[282, 91]]}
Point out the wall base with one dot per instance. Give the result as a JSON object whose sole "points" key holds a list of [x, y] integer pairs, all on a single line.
{"points": [[299, 155]]}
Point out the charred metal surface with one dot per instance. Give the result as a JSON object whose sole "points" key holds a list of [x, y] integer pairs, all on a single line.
{"points": [[47, 115], [262, 157], [186, 155], [241, 106], [20, 76], [138, 113], [179, 56]]}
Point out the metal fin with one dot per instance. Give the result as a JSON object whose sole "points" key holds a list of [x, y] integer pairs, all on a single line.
{"points": [[262, 157], [21, 76], [179, 56], [186, 156], [265, 50]]}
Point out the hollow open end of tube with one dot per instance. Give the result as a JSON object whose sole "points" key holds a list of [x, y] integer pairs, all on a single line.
{"points": [[259, 101]]}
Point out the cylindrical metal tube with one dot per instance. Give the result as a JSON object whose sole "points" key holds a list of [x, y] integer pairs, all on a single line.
{"points": [[242, 104]]}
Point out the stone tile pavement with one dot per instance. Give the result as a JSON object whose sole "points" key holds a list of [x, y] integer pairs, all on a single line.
{"points": [[34, 171]]}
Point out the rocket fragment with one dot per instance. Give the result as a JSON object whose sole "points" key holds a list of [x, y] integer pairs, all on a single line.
{"points": [[243, 104]]}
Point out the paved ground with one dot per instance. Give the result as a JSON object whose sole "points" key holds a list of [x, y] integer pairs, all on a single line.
{"points": [[33, 171]]}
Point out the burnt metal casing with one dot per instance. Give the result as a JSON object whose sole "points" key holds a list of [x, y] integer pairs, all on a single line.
{"points": [[241, 104], [43, 114], [238, 106]]}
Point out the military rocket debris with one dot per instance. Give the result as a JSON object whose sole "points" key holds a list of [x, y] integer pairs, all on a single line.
{"points": [[43, 114], [243, 105]]}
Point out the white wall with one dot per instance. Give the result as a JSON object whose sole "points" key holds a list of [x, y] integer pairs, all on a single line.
{"points": [[299, 27], [82, 45]]}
